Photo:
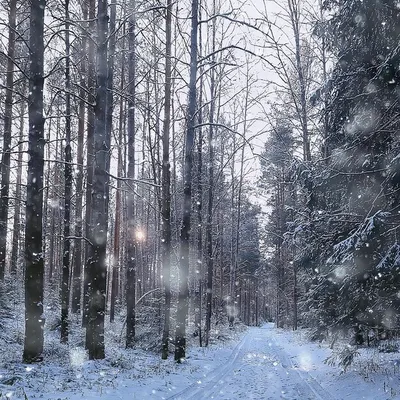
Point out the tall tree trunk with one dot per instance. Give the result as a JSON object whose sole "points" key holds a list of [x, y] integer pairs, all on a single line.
{"points": [[77, 263], [15, 250], [34, 268], [116, 250], [199, 211], [46, 197], [294, 13], [183, 298], [221, 225], [50, 188], [280, 202], [241, 177], [5, 162], [323, 47], [110, 80], [124, 199], [67, 187], [199, 203], [166, 184], [295, 297], [232, 271], [110, 98], [131, 245], [121, 171], [209, 238], [89, 157], [99, 203]]}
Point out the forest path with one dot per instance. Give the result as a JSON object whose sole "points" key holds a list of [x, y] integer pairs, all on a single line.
{"points": [[258, 368]]}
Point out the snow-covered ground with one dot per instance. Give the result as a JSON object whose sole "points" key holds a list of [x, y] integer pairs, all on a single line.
{"points": [[261, 363]]}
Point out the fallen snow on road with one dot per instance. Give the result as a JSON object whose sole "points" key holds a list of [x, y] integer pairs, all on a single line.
{"points": [[262, 363], [259, 368]]}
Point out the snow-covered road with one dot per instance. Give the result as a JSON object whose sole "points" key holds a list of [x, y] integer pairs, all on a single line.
{"points": [[258, 368], [258, 364]]}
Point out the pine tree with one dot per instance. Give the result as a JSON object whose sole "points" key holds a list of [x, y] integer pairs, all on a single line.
{"points": [[354, 201]]}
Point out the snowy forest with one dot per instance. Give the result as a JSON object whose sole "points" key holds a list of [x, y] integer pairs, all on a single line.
{"points": [[176, 174]]}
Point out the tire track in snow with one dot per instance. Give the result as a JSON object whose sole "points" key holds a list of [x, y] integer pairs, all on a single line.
{"points": [[307, 382], [258, 368], [196, 390]]}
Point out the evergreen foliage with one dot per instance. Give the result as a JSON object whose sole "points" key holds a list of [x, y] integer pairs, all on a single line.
{"points": [[337, 217]]}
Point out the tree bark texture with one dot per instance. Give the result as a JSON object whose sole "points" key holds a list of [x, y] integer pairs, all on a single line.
{"points": [[16, 238], [131, 239], [65, 288], [110, 99], [183, 297], [5, 162], [99, 202], [209, 236], [78, 259], [166, 184], [89, 157], [34, 267]]}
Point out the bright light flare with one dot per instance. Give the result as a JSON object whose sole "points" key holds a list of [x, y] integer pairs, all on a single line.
{"points": [[140, 235]]}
